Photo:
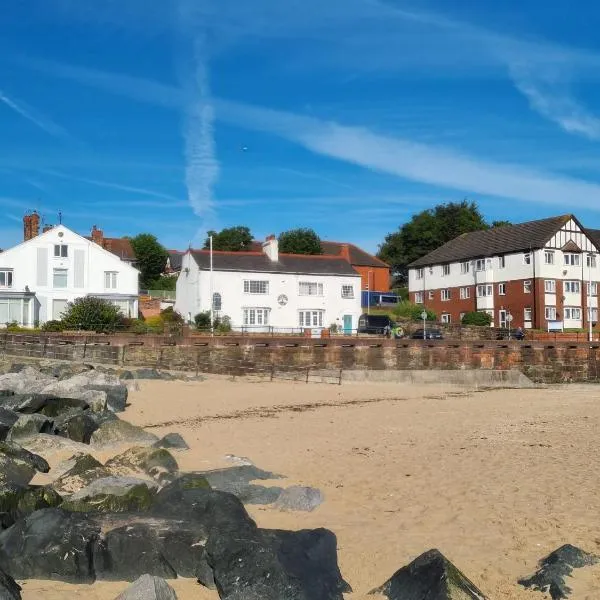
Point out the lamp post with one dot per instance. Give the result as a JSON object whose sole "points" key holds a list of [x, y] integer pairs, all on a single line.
{"points": [[424, 317], [589, 298], [212, 329]]}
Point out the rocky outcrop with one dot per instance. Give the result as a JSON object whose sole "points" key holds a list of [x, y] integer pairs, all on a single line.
{"points": [[81, 470], [9, 589], [28, 425], [148, 587], [18, 501], [170, 441], [18, 465], [118, 432], [157, 463]]}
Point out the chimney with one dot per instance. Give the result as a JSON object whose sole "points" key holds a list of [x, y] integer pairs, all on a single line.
{"points": [[345, 252], [271, 248], [97, 236], [47, 228], [31, 226]]}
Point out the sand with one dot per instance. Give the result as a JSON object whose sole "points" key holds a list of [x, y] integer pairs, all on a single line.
{"points": [[494, 479]]}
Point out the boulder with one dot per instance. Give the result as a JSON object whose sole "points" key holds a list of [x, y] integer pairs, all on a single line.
{"points": [[17, 465], [96, 400], [47, 445], [76, 425], [554, 568], [7, 419], [299, 498], [430, 576], [126, 552], [28, 425], [158, 463], [81, 470], [148, 587], [121, 432], [27, 380], [171, 440], [9, 588], [116, 395], [113, 495], [50, 544], [18, 501], [14, 451], [55, 406]]}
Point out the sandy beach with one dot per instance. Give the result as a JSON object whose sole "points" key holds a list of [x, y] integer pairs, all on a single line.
{"points": [[494, 479]]}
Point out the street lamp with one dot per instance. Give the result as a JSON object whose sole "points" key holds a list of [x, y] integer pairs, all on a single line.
{"points": [[424, 317]]}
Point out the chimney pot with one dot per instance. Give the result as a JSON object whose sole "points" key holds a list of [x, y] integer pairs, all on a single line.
{"points": [[271, 248]]}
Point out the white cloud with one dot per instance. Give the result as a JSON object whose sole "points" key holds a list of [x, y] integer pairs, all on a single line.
{"points": [[33, 116]]}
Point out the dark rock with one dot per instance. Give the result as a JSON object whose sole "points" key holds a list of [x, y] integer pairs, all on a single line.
{"points": [[112, 495], [103, 416], [148, 587], [50, 544], [9, 588], [558, 565], [150, 374], [29, 425], [118, 432], [12, 450], [171, 440], [299, 498], [47, 404], [156, 462], [84, 470], [55, 406], [430, 576], [127, 551], [18, 501], [18, 465], [77, 425], [116, 395], [7, 419]]}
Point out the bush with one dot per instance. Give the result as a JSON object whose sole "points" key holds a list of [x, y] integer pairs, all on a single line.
{"points": [[482, 319], [53, 326], [202, 320], [412, 312], [223, 325], [167, 283], [92, 314], [168, 315], [136, 326], [155, 324]]}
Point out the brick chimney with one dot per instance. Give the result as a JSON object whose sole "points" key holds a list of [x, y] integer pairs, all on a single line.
{"points": [[97, 236], [345, 252], [271, 248], [31, 226]]}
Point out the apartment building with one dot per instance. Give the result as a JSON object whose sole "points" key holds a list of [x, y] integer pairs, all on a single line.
{"points": [[533, 275]]}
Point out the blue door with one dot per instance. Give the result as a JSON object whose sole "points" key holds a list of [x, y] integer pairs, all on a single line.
{"points": [[347, 324]]}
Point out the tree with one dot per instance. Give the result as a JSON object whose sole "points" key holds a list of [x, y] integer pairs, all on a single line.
{"points": [[231, 239], [300, 241], [427, 231], [165, 283], [151, 258], [412, 312], [92, 314], [500, 224]]}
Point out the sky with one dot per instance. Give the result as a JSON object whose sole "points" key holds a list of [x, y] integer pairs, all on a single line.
{"points": [[347, 116]]}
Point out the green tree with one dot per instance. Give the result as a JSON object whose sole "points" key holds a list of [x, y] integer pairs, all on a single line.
{"points": [[427, 231], [151, 258], [92, 314], [165, 283], [500, 224], [480, 318], [300, 241], [231, 239], [412, 312]]}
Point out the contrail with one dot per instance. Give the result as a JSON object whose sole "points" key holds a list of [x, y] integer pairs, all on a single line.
{"points": [[29, 114]]}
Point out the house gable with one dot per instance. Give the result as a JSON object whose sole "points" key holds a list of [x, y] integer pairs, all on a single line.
{"points": [[572, 237]]}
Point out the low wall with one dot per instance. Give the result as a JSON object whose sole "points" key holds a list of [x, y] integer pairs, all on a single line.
{"points": [[541, 362]]}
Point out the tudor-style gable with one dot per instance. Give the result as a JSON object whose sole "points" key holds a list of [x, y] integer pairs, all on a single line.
{"points": [[572, 237]]}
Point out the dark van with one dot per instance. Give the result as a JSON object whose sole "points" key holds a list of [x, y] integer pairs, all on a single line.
{"points": [[375, 324]]}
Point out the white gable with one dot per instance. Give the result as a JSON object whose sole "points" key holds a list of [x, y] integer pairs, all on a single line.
{"points": [[570, 233]]}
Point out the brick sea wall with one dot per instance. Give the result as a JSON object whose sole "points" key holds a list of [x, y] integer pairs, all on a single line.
{"points": [[541, 361]]}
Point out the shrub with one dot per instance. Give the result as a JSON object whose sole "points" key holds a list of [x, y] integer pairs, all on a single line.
{"points": [[223, 325], [202, 320], [155, 324], [168, 315], [53, 326], [482, 319], [412, 312], [137, 326], [92, 314]]}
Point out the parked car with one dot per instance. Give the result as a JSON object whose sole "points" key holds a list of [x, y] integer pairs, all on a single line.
{"points": [[513, 334], [379, 324], [427, 334]]}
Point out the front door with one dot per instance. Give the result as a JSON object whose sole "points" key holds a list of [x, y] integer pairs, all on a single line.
{"points": [[502, 318], [347, 324]]}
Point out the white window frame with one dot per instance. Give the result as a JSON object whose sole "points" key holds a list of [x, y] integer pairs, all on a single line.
{"points": [[445, 270], [418, 297], [527, 286], [481, 264], [255, 316], [61, 251], [446, 295], [526, 258], [549, 257], [591, 260], [347, 291], [419, 273], [527, 314], [8, 276], [572, 286], [465, 293], [310, 288], [550, 286], [464, 267], [431, 295], [256, 286], [110, 280], [594, 288], [572, 313], [592, 314], [60, 271], [502, 262], [446, 318], [502, 289], [311, 318], [572, 259], [550, 313], [485, 290]]}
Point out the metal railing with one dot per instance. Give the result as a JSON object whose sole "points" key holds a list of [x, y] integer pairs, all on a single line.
{"points": [[159, 294]]}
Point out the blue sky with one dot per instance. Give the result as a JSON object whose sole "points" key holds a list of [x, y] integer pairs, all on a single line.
{"points": [[346, 115]]}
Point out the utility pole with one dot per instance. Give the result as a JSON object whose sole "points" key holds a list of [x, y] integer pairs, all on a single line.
{"points": [[212, 329]]}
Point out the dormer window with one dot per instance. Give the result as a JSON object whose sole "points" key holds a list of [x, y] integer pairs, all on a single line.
{"points": [[61, 251]]}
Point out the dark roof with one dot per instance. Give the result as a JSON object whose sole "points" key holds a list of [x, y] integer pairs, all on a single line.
{"points": [[175, 258], [594, 235], [498, 240], [120, 247], [288, 263]]}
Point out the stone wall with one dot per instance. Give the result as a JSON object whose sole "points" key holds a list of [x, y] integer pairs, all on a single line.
{"points": [[540, 361]]}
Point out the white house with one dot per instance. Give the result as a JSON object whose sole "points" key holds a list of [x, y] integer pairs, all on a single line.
{"points": [[45, 272], [262, 291]]}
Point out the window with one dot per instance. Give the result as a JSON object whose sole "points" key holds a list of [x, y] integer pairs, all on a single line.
{"points": [[485, 290], [550, 313], [592, 290], [445, 295], [61, 251], [572, 287], [419, 274], [464, 267], [591, 261], [110, 280], [419, 298], [10, 310], [527, 314], [571, 259], [446, 318], [59, 279], [431, 295], [347, 291], [527, 287], [445, 270], [256, 316], [480, 264], [252, 286], [502, 289], [6, 279], [550, 286], [572, 313], [310, 318], [310, 288], [465, 293], [217, 302], [501, 262], [527, 258], [549, 257], [594, 315]]}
